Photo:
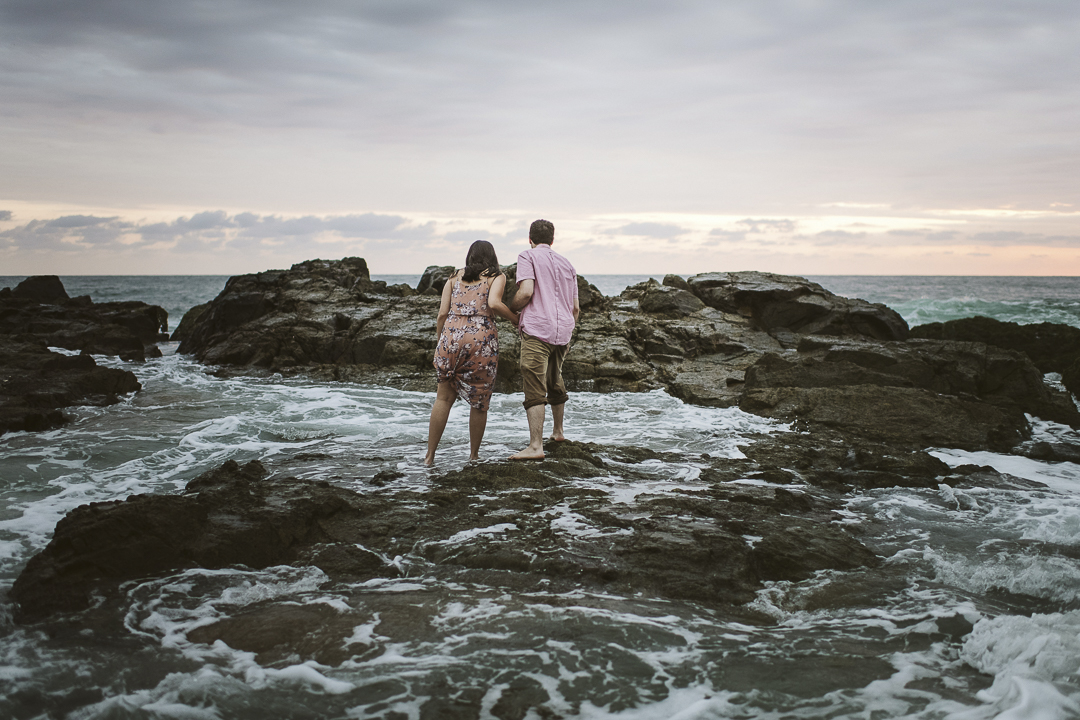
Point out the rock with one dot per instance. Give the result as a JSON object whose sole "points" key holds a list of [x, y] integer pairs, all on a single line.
{"points": [[188, 322], [895, 414], [36, 383], [433, 279], [1052, 347], [665, 300], [1070, 378], [491, 523], [230, 516], [1003, 378], [676, 281], [126, 329], [43, 289], [795, 304], [1050, 452]]}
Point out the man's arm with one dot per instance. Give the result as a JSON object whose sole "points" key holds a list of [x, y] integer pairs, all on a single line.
{"points": [[577, 309], [523, 296]]}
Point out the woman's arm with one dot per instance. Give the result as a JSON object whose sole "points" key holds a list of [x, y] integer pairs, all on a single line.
{"points": [[495, 300], [444, 304]]}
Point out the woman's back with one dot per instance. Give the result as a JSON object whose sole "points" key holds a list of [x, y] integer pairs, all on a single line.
{"points": [[470, 298]]}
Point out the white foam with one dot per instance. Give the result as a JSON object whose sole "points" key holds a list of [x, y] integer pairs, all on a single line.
{"points": [[1063, 477], [568, 522], [472, 534], [1027, 656]]}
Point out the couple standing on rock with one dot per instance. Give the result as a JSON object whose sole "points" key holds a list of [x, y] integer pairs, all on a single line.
{"points": [[467, 355]]}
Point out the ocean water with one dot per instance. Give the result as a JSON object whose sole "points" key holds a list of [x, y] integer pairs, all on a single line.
{"points": [[974, 614]]}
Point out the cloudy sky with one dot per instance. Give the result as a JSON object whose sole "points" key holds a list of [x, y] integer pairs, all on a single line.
{"points": [[795, 136]]}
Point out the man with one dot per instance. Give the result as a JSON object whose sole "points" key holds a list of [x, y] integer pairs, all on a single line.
{"points": [[547, 298]]}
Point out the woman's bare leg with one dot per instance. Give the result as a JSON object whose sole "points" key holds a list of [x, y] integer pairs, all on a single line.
{"points": [[477, 425], [444, 400]]}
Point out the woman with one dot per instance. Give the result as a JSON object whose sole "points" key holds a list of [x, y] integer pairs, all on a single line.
{"points": [[468, 351]]}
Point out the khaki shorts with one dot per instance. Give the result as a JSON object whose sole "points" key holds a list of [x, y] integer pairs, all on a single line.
{"points": [[541, 371]]}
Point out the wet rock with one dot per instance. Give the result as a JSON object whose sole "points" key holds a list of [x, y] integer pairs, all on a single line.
{"points": [[665, 300], [1070, 377], [36, 383], [1052, 347], [897, 414], [40, 307], [188, 322], [42, 289], [927, 392], [1050, 451], [842, 462], [433, 279], [230, 516], [676, 281], [278, 634], [795, 304], [523, 526], [797, 551]]}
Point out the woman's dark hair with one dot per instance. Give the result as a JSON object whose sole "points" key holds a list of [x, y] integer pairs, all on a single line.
{"points": [[481, 260]]}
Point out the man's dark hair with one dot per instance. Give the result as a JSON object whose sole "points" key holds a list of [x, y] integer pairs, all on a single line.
{"points": [[541, 232]]}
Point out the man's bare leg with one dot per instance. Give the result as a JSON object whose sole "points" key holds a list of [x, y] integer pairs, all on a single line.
{"points": [[477, 425], [556, 417], [535, 450], [440, 411]]}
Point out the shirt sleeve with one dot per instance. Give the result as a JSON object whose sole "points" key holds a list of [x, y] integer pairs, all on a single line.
{"points": [[525, 269]]}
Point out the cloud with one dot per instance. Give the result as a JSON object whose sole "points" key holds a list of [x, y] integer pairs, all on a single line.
{"points": [[5, 215], [768, 225], [661, 231], [728, 235], [838, 237], [213, 229]]}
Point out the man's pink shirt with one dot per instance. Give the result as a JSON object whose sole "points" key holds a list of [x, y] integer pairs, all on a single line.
{"points": [[550, 314]]}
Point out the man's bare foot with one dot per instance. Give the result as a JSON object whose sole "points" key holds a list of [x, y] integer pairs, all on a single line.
{"points": [[528, 454], [557, 437]]}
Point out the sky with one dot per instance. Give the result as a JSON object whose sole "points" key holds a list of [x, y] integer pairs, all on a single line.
{"points": [[806, 137]]}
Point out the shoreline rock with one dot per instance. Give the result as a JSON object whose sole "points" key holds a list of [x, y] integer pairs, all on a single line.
{"points": [[36, 383], [690, 545], [40, 307], [1052, 347]]}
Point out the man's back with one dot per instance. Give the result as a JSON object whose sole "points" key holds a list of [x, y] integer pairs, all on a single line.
{"points": [[550, 315]]}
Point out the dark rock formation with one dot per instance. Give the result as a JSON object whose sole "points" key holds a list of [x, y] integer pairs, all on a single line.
{"points": [[689, 545], [36, 382], [796, 305], [39, 306], [188, 322], [433, 279], [924, 392], [229, 516], [1052, 347], [42, 289]]}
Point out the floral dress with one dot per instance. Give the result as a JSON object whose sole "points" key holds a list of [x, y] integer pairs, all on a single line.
{"points": [[468, 349]]}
